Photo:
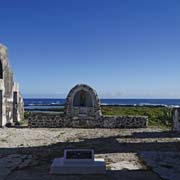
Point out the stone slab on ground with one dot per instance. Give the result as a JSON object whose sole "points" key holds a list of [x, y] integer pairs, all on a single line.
{"points": [[122, 161], [125, 165], [60, 166], [166, 164]]}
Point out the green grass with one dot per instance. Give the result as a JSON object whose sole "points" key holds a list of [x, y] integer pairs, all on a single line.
{"points": [[158, 116]]}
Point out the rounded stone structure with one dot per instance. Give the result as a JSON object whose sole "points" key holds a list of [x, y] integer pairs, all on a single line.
{"points": [[83, 102]]}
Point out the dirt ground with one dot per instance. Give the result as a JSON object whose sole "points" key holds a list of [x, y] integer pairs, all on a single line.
{"points": [[27, 154]]}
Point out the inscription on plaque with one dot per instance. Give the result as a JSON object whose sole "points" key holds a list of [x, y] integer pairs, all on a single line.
{"points": [[79, 154]]}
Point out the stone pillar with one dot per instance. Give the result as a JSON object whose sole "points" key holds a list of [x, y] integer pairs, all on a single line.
{"points": [[1, 108], [176, 120], [15, 102], [2, 105], [15, 108]]}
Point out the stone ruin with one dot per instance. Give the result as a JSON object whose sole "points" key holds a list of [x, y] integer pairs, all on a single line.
{"points": [[11, 101], [83, 102], [82, 107], [83, 110], [176, 120]]}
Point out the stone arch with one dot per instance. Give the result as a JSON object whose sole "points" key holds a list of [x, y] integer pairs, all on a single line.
{"points": [[82, 100]]}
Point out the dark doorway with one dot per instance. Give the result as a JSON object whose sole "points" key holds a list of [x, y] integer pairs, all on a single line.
{"points": [[1, 70]]}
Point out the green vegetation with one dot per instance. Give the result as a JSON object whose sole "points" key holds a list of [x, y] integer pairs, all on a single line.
{"points": [[158, 116], [27, 114]]}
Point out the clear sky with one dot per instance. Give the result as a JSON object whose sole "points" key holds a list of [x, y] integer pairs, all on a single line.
{"points": [[122, 48]]}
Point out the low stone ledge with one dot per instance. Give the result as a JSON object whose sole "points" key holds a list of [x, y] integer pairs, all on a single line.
{"points": [[48, 120], [43, 120], [124, 121]]}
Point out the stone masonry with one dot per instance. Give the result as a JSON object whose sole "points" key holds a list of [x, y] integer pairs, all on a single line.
{"points": [[82, 101], [82, 110], [48, 120], [176, 120], [11, 101]]}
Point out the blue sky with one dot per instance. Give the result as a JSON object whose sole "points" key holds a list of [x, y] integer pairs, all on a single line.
{"points": [[122, 48]]}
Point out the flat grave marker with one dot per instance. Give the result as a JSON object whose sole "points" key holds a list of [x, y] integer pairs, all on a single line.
{"points": [[78, 161]]}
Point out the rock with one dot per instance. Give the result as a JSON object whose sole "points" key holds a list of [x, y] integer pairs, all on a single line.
{"points": [[128, 165]]}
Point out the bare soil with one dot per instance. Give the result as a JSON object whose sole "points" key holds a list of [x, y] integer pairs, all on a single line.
{"points": [[34, 150]]}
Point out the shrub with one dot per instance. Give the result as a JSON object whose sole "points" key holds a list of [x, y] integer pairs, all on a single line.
{"points": [[158, 116]]}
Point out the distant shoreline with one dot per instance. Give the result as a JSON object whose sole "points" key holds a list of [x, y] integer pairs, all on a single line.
{"points": [[61, 108], [108, 105], [59, 103]]}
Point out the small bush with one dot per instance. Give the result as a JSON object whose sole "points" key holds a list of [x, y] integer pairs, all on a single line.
{"points": [[26, 114]]}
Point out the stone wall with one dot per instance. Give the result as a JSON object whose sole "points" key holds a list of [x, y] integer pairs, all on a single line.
{"points": [[45, 120], [50, 120], [83, 110]]}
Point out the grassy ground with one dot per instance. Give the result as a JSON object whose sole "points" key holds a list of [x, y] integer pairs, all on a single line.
{"points": [[158, 116]]}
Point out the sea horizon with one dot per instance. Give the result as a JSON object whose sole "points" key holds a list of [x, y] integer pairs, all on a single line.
{"points": [[35, 103]]}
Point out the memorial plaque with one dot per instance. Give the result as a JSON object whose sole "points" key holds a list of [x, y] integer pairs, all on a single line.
{"points": [[79, 155]]}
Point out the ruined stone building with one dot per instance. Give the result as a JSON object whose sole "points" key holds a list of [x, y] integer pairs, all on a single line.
{"points": [[83, 110], [83, 102], [11, 101]]}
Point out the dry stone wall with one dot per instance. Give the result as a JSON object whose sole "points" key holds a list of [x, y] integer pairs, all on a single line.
{"points": [[50, 120], [83, 110]]}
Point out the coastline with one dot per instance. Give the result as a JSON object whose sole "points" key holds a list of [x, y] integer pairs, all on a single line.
{"points": [[60, 103]]}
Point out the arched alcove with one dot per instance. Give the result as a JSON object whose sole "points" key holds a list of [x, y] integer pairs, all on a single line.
{"points": [[82, 101]]}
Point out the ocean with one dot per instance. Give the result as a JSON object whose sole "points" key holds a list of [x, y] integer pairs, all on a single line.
{"points": [[59, 103]]}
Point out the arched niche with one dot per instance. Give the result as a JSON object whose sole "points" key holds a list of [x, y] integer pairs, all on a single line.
{"points": [[82, 101]]}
